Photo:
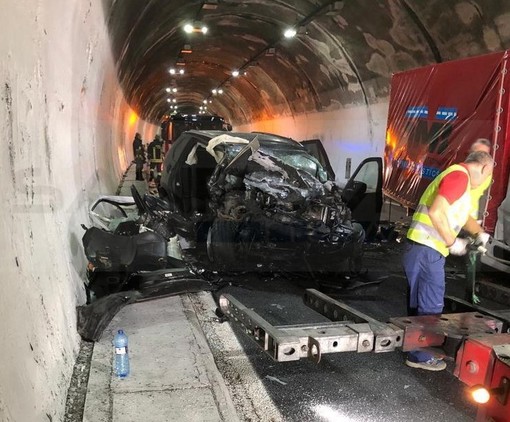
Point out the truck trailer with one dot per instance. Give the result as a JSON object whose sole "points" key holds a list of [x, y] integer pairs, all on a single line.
{"points": [[435, 114]]}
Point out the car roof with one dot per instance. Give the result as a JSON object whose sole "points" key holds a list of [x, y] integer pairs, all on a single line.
{"points": [[265, 138]]}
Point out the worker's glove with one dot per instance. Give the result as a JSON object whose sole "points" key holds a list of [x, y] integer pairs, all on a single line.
{"points": [[459, 247], [482, 239]]}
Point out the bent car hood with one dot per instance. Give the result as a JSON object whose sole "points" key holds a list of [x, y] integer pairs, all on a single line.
{"points": [[263, 168]]}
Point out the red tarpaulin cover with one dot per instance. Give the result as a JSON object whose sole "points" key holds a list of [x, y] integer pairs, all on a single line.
{"points": [[435, 114]]}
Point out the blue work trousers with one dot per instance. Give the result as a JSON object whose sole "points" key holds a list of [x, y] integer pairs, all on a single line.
{"points": [[424, 270]]}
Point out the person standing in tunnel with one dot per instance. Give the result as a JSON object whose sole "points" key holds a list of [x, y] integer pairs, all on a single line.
{"points": [[155, 157], [139, 155], [484, 145], [443, 210]]}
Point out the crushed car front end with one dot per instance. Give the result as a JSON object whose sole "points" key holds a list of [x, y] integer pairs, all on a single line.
{"points": [[275, 210]]}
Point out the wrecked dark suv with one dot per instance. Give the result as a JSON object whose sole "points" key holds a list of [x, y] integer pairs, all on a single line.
{"points": [[253, 201]]}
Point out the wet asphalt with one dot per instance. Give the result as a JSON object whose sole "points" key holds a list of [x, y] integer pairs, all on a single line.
{"points": [[351, 386]]}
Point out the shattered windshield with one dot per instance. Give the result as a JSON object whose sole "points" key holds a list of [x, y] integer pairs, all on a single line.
{"points": [[296, 158], [300, 160]]}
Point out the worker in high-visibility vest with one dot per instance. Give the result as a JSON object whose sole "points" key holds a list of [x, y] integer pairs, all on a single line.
{"points": [[443, 210], [155, 156]]}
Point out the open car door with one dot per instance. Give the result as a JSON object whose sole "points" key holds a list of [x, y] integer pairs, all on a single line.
{"points": [[316, 149], [363, 194]]}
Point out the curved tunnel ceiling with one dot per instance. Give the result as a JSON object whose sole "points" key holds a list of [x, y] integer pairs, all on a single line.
{"points": [[343, 54]]}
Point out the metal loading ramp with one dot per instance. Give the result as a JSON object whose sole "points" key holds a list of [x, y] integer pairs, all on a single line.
{"points": [[353, 331]]}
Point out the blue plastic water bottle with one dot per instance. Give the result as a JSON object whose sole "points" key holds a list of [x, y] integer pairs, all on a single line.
{"points": [[120, 341]]}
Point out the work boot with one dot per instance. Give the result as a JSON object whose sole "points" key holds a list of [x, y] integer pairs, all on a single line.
{"points": [[433, 364]]}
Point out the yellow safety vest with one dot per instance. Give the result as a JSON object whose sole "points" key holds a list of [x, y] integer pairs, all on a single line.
{"points": [[422, 230]]}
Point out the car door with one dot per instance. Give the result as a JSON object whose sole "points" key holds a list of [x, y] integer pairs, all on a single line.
{"points": [[363, 194], [316, 149]]}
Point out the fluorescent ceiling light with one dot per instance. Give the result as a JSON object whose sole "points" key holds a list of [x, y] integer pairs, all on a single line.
{"points": [[196, 27], [289, 33], [186, 49], [210, 5]]}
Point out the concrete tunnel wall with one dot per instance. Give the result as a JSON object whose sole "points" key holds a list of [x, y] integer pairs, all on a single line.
{"points": [[66, 137], [67, 132]]}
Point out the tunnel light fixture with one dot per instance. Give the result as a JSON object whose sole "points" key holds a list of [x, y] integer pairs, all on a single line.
{"points": [[174, 71], [195, 27], [210, 5], [186, 49], [235, 73], [290, 33]]}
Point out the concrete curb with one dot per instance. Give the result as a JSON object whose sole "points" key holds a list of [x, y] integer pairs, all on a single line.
{"points": [[221, 393]]}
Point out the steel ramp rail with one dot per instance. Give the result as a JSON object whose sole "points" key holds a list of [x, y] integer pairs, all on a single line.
{"points": [[351, 330]]}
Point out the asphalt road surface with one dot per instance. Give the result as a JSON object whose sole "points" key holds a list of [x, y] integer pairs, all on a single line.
{"points": [[349, 386]]}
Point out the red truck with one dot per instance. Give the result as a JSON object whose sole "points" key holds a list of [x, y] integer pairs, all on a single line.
{"points": [[435, 113]]}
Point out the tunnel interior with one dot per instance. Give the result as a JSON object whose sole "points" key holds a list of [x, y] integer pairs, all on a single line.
{"points": [[82, 77]]}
